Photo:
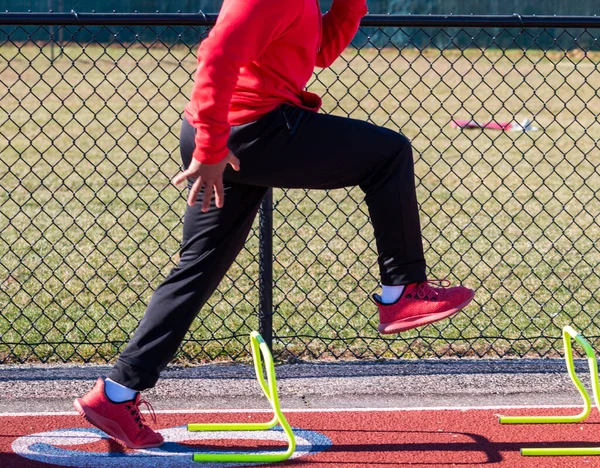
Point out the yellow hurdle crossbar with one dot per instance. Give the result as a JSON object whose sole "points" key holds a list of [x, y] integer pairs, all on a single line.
{"points": [[569, 334], [260, 351]]}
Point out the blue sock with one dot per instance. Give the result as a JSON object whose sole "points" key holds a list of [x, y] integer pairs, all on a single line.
{"points": [[118, 393], [390, 294]]}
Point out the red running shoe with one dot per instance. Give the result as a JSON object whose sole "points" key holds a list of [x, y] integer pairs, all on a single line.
{"points": [[421, 304], [121, 421]]}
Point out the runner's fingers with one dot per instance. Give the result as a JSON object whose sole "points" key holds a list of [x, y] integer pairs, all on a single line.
{"points": [[234, 162], [193, 195], [208, 193], [219, 193], [179, 178]]}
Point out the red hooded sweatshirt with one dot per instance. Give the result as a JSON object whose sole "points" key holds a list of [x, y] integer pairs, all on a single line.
{"points": [[259, 55]]}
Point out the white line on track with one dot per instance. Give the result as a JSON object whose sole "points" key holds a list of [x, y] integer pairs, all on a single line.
{"points": [[317, 410]]}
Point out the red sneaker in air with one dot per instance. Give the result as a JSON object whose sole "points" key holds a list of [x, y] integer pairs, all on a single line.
{"points": [[421, 304], [121, 421]]}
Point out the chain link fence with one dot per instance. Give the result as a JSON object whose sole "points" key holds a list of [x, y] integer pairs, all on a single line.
{"points": [[90, 109]]}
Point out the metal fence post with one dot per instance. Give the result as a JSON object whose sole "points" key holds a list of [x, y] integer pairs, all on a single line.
{"points": [[51, 33], [265, 314], [61, 28]]}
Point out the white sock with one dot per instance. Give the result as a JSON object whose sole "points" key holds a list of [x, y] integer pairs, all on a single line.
{"points": [[390, 294], [117, 392]]}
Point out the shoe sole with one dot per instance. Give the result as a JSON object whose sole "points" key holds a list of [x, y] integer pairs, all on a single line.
{"points": [[109, 426], [420, 320]]}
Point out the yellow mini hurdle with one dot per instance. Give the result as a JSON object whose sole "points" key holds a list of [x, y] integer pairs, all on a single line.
{"points": [[569, 334], [260, 351]]}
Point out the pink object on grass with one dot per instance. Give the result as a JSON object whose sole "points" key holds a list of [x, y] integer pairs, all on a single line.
{"points": [[525, 126]]}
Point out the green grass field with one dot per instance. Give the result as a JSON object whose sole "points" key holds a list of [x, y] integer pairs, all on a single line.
{"points": [[90, 224]]}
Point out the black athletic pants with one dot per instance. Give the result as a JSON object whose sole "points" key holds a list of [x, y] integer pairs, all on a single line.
{"points": [[288, 148]]}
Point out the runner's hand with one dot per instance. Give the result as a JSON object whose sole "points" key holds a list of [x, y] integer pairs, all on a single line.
{"points": [[209, 177]]}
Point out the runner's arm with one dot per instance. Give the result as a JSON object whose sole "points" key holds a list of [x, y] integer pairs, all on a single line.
{"points": [[340, 25], [243, 31]]}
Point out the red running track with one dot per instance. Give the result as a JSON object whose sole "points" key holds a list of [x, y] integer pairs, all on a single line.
{"points": [[378, 438]]}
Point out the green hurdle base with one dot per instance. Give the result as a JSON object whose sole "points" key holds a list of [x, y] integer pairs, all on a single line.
{"points": [[569, 334], [269, 388]]}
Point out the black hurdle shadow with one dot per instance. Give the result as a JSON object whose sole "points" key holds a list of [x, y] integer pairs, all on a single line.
{"points": [[478, 443]]}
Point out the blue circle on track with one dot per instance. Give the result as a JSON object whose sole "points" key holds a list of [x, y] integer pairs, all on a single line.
{"points": [[55, 447]]}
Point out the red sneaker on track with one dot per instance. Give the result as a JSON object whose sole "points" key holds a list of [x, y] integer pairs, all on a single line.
{"points": [[121, 421], [421, 304]]}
